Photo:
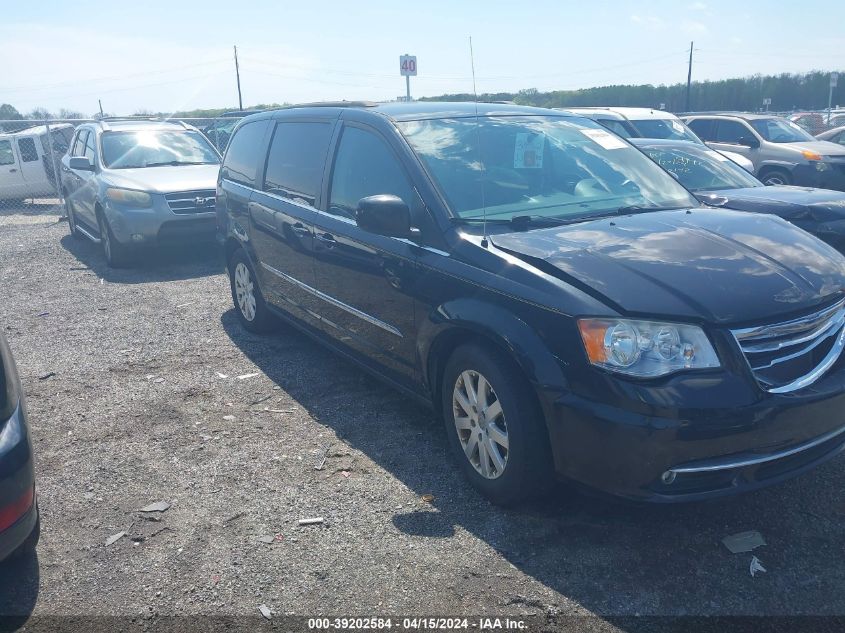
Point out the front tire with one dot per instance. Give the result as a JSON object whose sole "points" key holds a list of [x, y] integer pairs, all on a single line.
{"points": [[495, 426], [71, 218], [116, 254], [249, 303], [775, 177]]}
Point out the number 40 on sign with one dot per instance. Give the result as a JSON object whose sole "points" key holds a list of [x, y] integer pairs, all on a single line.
{"points": [[408, 65]]}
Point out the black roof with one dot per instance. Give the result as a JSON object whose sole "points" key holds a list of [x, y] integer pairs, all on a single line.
{"points": [[748, 116]]}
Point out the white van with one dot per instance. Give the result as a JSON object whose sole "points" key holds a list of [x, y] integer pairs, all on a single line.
{"points": [[26, 169]]}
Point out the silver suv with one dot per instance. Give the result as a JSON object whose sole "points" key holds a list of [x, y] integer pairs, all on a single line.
{"points": [[782, 152], [129, 184]]}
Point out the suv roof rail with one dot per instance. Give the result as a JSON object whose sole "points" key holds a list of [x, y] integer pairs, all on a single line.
{"points": [[335, 104]]}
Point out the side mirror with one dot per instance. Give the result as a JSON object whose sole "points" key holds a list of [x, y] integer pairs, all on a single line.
{"points": [[749, 141], [384, 215], [80, 163]]}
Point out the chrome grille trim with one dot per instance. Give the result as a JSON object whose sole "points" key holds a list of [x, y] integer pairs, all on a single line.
{"points": [[191, 202], [795, 338]]}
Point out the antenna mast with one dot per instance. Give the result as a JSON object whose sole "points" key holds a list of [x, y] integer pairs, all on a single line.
{"points": [[484, 241]]}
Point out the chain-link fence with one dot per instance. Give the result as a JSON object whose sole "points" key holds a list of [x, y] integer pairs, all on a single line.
{"points": [[31, 153]]}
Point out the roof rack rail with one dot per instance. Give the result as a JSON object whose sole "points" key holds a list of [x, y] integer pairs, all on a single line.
{"points": [[335, 104]]}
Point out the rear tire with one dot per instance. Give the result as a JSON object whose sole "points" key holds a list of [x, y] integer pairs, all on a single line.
{"points": [[249, 303], [116, 254], [29, 546], [498, 433], [776, 177]]}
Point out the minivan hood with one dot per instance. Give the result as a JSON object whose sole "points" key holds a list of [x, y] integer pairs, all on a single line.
{"points": [[700, 264], [792, 203], [165, 179]]}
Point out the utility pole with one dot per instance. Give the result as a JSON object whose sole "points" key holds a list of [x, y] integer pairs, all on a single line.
{"points": [[100, 101], [689, 76], [834, 79], [238, 76]]}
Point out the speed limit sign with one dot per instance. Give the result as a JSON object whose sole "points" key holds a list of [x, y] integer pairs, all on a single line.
{"points": [[408, 65]]}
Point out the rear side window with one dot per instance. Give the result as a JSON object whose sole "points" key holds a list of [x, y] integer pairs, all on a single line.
{"points": [[731, 132], [27, 149], [242, 154], [365, 166], [7, 157], [703, 128], [296, 159], [90, 152]]}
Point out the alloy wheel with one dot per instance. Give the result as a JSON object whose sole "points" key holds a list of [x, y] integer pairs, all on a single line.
{"points": [[480, 423], [245, 291]]}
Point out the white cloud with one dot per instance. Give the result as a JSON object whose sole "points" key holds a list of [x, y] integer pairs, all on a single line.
{"points": [[648, 21], [694, 27]]}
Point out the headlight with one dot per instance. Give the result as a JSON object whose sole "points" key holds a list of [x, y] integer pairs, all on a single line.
{"points": [[646, 348], [129, 197]]}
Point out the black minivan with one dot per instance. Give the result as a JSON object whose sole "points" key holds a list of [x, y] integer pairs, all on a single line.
{"points": [[565, 305]]}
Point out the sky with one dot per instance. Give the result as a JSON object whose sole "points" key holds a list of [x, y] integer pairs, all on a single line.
{"points": [[163, 56]]}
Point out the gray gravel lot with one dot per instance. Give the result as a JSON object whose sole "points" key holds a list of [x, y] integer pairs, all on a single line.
{"points": [[158, 394]]}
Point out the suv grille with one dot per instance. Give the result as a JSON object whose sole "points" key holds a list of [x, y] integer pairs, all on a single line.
{"points": [[191, 202], [788, 356]]}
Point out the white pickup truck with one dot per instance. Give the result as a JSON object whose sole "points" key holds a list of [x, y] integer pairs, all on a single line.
{"points": [[26, 169]]}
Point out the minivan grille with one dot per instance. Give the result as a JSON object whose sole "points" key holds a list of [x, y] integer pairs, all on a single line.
{"points": [[191, 202], [794, 354]]}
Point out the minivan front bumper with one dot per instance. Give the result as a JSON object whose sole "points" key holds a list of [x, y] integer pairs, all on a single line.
{"points": [[694, 438]]}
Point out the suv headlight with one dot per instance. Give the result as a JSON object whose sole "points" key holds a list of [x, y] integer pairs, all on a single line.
{"points": [[646, 348], [129, 197]]}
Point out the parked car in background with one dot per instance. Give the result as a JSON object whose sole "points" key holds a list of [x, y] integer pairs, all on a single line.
{"points": [[560, 300], [129, 184], [647, 123], [19, 523], [835, 135], [718, 182], [782, 152], [836, 120], [26, 165], [812, 122], [220, 130]]}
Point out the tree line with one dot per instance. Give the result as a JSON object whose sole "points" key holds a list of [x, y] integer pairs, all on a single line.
{"points": [[788, 92]]}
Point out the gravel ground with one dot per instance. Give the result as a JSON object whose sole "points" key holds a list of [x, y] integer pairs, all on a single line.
{"points": [[156, 394]]}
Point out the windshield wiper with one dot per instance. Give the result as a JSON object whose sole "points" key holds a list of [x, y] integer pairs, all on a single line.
{"points": [[637, 208], [518, 221], [176, 163]]}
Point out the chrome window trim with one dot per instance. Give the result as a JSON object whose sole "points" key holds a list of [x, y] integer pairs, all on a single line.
{"points": [[728, 463], [335, 302]]}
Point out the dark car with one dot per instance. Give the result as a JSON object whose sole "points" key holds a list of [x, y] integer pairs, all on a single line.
{"points": [[19, 525], [560, 300], [717, 181]]}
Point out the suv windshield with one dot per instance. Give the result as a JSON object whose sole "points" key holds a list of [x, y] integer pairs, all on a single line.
{"points": [[701, 169], [780, 131], [665, 128], [151, 148], [538, 166]]}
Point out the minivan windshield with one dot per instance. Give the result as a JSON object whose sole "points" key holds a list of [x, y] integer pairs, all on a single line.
{"points": [[781, 131], [699, 168], [552, 167], [155, 148]]}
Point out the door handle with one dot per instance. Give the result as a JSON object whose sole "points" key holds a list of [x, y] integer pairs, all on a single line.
{"points": [[300, 230], [326, 239]]}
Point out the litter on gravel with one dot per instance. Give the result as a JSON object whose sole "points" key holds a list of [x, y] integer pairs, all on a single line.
{"points": [[47, 375], [743, 541], [428, 498], [158, 506], [245, 376], [265, 611], [114, 538], [266, 539], [313, 521], [756, 566], [219, 375]]}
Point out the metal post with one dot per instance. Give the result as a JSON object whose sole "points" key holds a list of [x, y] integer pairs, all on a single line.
{"points": [[408, 88], [689, 77], [829, 101], [238, 76], [56, 176]]}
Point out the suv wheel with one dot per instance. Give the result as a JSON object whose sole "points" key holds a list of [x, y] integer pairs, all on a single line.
{"points": [[776, 177], [30, 544], [71, 218], [494, 426], [117, 255], [249, 303]]}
